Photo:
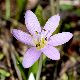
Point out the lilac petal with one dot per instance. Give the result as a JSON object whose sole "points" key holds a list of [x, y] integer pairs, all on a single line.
{"points": [[22, 36], [60, 38], [31, 56], [52, 24], [51, 52], [32, 22]]}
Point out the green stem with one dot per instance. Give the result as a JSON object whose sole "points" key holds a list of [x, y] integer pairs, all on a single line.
{"points": [[52, 7], [57, 7], [40, 66], [7, 2]]}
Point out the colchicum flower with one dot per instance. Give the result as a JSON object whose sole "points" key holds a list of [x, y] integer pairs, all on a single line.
{"points": [[41, 40]]}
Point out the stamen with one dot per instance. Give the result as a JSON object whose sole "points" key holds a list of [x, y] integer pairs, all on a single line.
{"points": [[41, 39], [37, 45], [36, 32], [44, 29], [31, 36], [46, 38]]}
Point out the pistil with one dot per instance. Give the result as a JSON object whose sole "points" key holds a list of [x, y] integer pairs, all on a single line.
{"points": [[40, 40]]}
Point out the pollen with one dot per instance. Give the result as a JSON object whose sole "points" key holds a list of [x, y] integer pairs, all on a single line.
{"points": [[36, 32], [31, 36], [40, 41]]}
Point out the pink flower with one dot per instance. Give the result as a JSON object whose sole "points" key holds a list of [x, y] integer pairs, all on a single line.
{"points": [[41, 41]]}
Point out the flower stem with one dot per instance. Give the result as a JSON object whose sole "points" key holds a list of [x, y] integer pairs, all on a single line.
{"points": [[52, 7], [40, 66]]}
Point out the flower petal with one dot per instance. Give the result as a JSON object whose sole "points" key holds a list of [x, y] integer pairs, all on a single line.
{"points": [[31, 56], [52, 24], [22, 36], [60, 38], [32, 22], [51, 52]]}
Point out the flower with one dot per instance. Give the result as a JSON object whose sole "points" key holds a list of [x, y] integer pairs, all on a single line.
{"points": [[41, 40]]}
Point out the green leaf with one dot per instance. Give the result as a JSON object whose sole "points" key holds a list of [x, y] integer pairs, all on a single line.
{"points": [[64, 76], [1, 56], [21, 7], [44, 56], [38, 13], [66, 7], [20, 59], [7, 2], [2, 71], [2, 77], [67, 26], [77, 11], [71, 76], [34, 68], [58, 29], [44, 60], [19, 64]]}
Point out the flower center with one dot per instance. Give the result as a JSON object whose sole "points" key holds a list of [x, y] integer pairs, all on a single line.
{"points": [[40, 40]]}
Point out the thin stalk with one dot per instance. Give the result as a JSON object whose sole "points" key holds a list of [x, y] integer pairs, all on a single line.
{"points": [[57, 7], [40, 66], [7, 2], [52, 7]]}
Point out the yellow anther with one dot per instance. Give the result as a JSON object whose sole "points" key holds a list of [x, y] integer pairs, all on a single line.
{"points": [[36, 32], [37, 45], [44, 29], [31, 36]]}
